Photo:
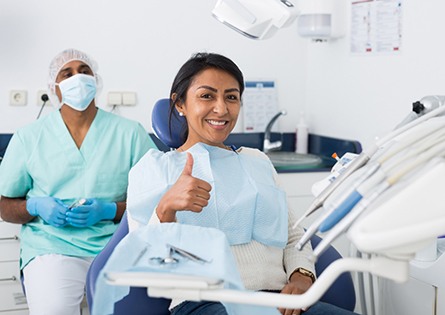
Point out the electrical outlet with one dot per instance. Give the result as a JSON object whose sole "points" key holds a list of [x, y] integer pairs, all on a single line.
{"points": [[39, 98], [18, 97]]}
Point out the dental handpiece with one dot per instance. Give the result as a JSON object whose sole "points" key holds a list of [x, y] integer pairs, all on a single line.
{"points": [[357, 163], [77, 203]]}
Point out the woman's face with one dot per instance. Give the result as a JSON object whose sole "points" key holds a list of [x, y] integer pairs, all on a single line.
{"points": [[211, 107]]}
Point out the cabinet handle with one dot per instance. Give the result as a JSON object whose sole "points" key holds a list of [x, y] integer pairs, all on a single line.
{"points": [[12, 238], [13, 278]]}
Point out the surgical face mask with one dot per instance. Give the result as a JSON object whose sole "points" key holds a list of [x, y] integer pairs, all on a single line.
{"points": [[78, 91]]}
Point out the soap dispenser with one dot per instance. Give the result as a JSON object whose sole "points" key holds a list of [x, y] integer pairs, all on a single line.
{"points": [[301, 145]]}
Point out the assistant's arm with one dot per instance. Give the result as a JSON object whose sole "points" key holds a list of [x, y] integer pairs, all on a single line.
{"points": [[13, 210], [121, 206]]}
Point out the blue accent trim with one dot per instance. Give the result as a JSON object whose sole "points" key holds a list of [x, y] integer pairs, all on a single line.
{"points": [[341, 211], [4, 141], [318, 145]]}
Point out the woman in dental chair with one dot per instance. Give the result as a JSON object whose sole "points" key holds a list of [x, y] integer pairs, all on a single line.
{"points": [[208, 183]]}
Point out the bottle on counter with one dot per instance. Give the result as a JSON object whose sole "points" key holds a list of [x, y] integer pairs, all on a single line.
{"points": [[301, 145]]}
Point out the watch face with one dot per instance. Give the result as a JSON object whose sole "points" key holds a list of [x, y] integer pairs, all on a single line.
{"points": [[306, 272]]}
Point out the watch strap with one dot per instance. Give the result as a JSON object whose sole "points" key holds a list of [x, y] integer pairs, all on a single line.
{"points": [[306, 273]]}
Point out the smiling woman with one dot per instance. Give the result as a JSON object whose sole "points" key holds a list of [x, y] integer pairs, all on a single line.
{"points": [[208, 184]]}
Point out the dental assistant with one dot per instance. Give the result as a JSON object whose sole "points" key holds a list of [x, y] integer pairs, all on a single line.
{"points": [[76, 152]]}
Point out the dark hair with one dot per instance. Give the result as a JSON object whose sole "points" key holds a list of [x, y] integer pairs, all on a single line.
{"points": [[195, 65]]}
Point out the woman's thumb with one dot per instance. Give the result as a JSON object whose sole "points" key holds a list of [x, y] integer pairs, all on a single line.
{"points": [[188, 165]]}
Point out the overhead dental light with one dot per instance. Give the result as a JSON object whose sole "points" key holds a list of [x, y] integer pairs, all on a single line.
{"points": [[261, 19], [257, 19]]}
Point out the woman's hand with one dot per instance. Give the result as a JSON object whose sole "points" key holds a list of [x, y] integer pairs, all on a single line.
{"points": [[298, 284], [188, 193]]}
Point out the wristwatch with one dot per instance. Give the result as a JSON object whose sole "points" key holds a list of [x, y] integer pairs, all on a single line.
{"points": [[306, 273]]}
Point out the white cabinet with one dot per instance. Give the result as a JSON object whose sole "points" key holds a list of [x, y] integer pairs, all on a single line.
{"points": [[12, 299], [423, 293]]}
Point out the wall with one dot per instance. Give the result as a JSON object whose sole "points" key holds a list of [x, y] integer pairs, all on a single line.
{"points": [[139, 46], [363, 97]]}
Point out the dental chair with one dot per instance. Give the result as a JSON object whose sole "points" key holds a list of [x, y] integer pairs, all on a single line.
{"points": [[341, 293]]}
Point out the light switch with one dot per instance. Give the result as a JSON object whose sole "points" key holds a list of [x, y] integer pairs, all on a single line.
{"points": [[129, 98], [114, 98]]}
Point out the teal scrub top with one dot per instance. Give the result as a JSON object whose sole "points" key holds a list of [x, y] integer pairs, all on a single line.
{"points": [[42, 159]]}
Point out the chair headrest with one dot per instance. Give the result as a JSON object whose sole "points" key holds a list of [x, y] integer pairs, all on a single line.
{"points": [[170, 135]]}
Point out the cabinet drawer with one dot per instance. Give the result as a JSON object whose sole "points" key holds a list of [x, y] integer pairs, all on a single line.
{"points": [[11, 293], [9, 250], [9, 241], [16, 312], [8, 230]]}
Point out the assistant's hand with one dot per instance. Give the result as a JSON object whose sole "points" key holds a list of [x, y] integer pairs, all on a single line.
{"points": [[298, 284], [188, 193], [91, 212], [51, 210]]}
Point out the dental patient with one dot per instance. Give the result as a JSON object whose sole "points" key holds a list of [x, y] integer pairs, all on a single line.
{"points": [[207, 183]]}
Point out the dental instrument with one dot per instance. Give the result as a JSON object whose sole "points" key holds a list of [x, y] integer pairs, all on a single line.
{"points": [[77, 203], [172, 260], [379, 176], [423, 106], [363, 159], [334, 211], [141, 254], [342, 220], [169, 260], [335, 201], [188, 255]]}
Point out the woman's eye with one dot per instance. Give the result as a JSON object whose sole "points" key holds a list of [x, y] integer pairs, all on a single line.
{"points": [[232, 97], [206, 96]]}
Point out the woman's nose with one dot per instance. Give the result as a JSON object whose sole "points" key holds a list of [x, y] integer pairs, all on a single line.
{"points": [[220, 107]]}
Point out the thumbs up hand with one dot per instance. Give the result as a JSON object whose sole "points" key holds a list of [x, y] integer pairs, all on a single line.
{"points": [[188, 193]]}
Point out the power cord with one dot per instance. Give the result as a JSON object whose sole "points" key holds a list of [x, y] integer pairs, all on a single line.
{"points": [[45, 99]]}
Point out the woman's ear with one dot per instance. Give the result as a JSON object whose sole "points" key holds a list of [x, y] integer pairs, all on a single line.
{"points": [[178, 104]]}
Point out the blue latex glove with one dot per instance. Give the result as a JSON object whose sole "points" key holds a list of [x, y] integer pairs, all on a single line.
{"points": [[91, 212], [51, 210]]}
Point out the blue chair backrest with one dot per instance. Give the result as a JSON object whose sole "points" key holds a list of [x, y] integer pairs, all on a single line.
{"points": [[341, 293], [169, 133]]}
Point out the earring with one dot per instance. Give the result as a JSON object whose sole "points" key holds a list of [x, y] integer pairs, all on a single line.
{"points": [[181, 114]]}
